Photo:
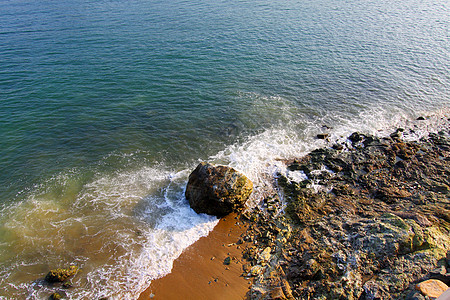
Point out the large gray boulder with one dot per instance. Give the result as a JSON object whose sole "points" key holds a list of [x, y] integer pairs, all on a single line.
{"points": [[217, 190]]}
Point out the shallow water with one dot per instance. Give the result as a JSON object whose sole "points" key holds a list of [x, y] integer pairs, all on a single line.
{"points": [[106, 106]]}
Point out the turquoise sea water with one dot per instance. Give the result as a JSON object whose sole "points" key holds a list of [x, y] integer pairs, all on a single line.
{"points": [[106, 106]]}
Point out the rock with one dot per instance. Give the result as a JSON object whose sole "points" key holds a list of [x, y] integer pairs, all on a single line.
{"points": [[440, 188], [265, 255], [374, 291], [415, 295], [246, 268], [217, 190], [419, 218], [356, 137], [448, 258], [277, 294], [396, 134], [256, 270], [67, 285], [322, 136], [445, 295], [420, 118], [227, 261], [389, 193], [61, 275], [432, 288], [287, 289], [439, 271], [55, 296], [440, 274], [307, 270], [388, 234]]}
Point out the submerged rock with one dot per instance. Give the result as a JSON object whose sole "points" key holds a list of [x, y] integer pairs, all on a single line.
{"points": [[61, 275], [55, 296], [322, 136], [217, 190]]}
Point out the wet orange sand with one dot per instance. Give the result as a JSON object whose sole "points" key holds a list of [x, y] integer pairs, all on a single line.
{"points": [[201, 272]]}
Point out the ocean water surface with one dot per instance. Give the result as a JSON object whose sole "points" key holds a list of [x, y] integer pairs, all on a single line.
{"points": [[106, 106]]}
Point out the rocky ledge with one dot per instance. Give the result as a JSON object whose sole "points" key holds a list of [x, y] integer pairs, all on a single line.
{"points": [[364, 219]]}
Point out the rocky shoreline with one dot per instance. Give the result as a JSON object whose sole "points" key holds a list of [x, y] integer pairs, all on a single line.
{"points": [[368, 218]]}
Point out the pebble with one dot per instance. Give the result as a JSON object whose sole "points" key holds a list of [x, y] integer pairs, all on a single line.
{"points": [[432, 288]]}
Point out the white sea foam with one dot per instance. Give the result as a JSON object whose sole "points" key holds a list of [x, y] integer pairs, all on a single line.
{"points": [[296, 176], [123, 230]]}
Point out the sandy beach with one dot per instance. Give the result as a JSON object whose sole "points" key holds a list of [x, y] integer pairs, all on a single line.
{"points": [[202, 272]]}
